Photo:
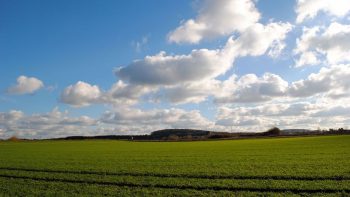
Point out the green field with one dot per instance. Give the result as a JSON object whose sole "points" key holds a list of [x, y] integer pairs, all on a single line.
{"points": [[277, 166]]}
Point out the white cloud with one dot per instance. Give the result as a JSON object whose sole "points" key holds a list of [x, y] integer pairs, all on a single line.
{"points": [[333, 81], [127, 94], [10, 116], [216, 18], [81, 94], [307, 57], [163, 69], [51, 124], [250, 88], [159, 118], [306, 115], [190, 78], [270, 110], [26, 85], [332, 44], [240, 121], [246, 89], [259, 39], [333, 111], [195, 92], [122, 120], [308, 9]]}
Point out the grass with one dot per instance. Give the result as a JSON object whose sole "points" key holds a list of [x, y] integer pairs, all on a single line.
{"points": [[277, 167]]}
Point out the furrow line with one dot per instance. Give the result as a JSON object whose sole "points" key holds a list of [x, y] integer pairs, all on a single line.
{"points": [[215, 188], [238, 177]]}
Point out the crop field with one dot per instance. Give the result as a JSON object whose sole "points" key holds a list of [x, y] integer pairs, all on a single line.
{"points": [[297, 166]]}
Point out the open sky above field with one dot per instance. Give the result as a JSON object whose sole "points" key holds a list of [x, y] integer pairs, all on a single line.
{"points": [[122, 67]]}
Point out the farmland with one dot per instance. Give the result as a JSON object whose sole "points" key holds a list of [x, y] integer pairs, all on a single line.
{"points": [[272, 166]]}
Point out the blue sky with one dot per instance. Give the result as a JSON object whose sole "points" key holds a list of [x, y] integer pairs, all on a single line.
{"points": [[56, 44]]}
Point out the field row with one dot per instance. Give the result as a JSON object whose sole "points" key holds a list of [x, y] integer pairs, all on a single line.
{"points": [[278, 169], [18, 187], [247, 185], [178, 175]]}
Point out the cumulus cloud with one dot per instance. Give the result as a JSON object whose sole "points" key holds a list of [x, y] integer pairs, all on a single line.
{"points": [[205, 64], [122, 120], [191, 78], [333, 111], [26, 85], [246, 89], [84, 94], [51, 124], [332, 43], [306, 115], [333, 81], [250, 88], [270, 110], [163, 69], [188, 78], [10, 116], [216, 18], [308, 9], [195, 92], [81, 94], [146, 121], [259, 39], [240, 121], [127, 94], [166, 118]]}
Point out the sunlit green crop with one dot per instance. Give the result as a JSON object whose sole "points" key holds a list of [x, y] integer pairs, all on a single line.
{"points": [[275, 166]]}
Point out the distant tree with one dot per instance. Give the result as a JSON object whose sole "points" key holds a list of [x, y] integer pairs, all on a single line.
{"points": [[273, 132], [13, 139], [173, 137], [188, 137]]}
